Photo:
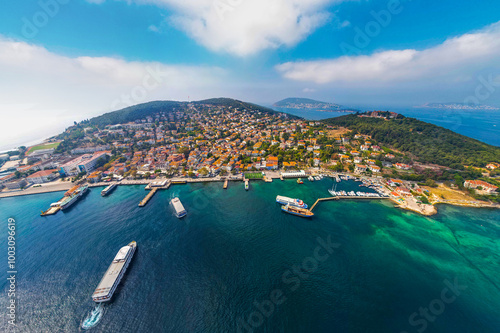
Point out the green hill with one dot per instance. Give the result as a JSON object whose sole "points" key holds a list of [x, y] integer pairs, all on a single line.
{"points": [[427, 142], [140, 111]]}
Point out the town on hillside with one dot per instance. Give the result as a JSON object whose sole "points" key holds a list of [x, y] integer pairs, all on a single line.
{"points": [[206, 141]]}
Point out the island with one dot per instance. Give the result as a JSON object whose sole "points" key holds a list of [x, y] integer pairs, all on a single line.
{"points": [[310, 104], [415, 164], [458, 106]]}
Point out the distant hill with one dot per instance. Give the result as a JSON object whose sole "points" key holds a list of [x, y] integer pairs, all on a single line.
{"points": [[459, 106], [427, 142], [140, 111], [306, 103]]}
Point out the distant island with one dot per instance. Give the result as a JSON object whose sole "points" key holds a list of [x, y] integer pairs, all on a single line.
{"points": [[306, 103], [458, 106]]}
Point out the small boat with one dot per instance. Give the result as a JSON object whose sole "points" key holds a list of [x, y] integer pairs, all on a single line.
{"points": [[297, 211], [299, 181], [246, 185], [311, 178]]}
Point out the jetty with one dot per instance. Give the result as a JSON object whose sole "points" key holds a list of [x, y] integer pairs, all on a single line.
{"points": [[148, 197], [51, 211], [154, 187]]}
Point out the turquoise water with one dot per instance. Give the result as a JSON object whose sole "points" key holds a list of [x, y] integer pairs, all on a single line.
{"points": [[204, 273]]}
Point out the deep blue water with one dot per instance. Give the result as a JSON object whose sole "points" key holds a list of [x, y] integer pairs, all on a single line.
{"points": [[483, 125], [204, 273]]}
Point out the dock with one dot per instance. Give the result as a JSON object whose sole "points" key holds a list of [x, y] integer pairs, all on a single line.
{"points": [[51, 211], [225, 184], [148, 197]]}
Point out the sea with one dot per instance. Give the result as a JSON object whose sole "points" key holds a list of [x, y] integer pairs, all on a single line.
{"points": [[482, 125], [237, 263]]}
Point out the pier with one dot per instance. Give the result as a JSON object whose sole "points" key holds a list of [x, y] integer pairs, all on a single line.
{"points": [[51, 211], [154, 187], [148, 197]]}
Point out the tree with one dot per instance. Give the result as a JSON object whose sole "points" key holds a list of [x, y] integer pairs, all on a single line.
{"points": [[459, 181]]}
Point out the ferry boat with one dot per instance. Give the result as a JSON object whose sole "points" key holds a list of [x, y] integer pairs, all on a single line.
{"points": [[108, 189], [297, 211], [289, 201], [299, 181], [111, 279], [74, 197], [180, 212]]}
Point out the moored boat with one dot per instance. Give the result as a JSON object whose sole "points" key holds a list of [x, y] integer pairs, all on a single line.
{"points": [[74, 197], [297, 211], [299, 181], [289, 201]]}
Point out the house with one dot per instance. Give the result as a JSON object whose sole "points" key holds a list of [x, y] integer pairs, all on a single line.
{"points": [[360, 168], [493, 166], [41, 177], [484, 186], [375, 168], [402, 166], [403, 191], [395, 182]]}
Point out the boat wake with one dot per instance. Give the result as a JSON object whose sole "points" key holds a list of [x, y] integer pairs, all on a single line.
{"points": [[94, 317]]}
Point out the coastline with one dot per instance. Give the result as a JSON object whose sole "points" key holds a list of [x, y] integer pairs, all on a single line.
{"points": [[409, 204]]}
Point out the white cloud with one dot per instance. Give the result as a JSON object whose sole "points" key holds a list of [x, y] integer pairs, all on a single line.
{"points": [[457, 59], [42, 92], [245, 27]]}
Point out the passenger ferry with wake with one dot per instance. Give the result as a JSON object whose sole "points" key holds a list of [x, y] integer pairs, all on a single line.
{"points": [[111, 279], [179, 209]]}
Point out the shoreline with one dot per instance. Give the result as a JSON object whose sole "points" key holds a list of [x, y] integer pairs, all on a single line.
{"points": [[421, 209]]}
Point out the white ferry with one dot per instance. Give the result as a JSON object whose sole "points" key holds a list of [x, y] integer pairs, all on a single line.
{"points": [[108, 189], [292, 202], [114, 274], [180, 212], [74, 197]]}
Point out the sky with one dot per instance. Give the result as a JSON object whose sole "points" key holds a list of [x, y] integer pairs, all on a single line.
{"points": [[68, 60]]}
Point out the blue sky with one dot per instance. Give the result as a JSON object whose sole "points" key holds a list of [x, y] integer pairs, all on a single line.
{"points": [[65, 60]]}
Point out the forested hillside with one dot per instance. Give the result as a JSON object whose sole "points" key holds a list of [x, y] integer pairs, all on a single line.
{"points": [[427, 142]]}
